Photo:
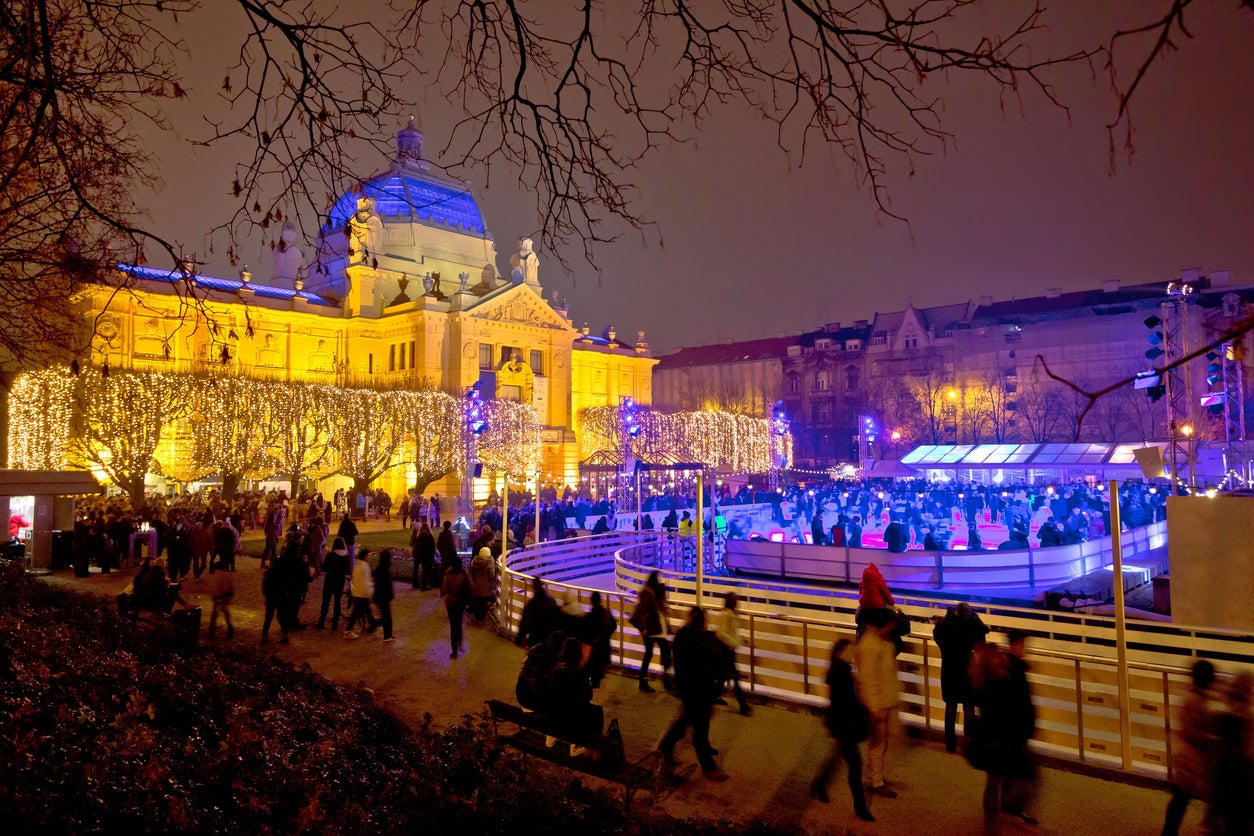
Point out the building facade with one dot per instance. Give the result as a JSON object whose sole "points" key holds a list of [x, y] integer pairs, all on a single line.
{"points": [[980, 372], [401, 290]]}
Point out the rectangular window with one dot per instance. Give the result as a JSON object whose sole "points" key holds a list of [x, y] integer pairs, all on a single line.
{"points": [[413, 353], [537, 362], [392, 358], [369, 364], [507, 353], [485, 355]]}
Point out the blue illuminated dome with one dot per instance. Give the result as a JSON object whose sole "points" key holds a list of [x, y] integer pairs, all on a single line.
{"points": [[409, 193]]}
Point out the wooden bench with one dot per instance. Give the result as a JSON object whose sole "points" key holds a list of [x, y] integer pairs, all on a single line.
{"points": [[604, 756]]}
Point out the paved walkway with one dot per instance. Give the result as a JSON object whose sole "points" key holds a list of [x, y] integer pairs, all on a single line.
{"points": [[770, 756]]}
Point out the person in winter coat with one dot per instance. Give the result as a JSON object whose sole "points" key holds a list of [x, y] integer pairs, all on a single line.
{"points": [[650, 617], [423, 544], [532, 688], [223, 595], [383, 593], [956, 636], [1233, 809], [1197, 746], [348, 533], [849, 723], [363, 591], [540, 617], [727, 629], [876, 661], [697, 671], [482, 581], [1007, 724], [334, 572], [446, 545], [596, 629], [570, 696], [455, 590]]}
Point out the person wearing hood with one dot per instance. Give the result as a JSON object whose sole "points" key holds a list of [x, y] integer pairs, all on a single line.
{"points": [[422, 541], [334, 571], [482, 581], [873, 595], [383, 593]]}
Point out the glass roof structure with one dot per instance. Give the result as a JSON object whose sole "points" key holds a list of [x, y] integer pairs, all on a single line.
{"points": [[1021, 455]]}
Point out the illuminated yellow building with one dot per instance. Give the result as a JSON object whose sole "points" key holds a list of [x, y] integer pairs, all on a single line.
{"points": [[401, 290]]}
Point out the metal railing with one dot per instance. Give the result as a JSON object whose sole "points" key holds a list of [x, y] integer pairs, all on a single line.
{"points": [[790, 629]]}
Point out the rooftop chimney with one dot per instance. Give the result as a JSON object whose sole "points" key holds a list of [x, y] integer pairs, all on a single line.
{"points": [[1110, 286], [985, 301], [1053, 292], [1220, 278], [861, 323], [1190, 275]]}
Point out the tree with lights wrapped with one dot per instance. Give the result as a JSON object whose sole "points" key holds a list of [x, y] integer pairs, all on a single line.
{"points": [[433, 428], [120, 418], [511, 443], [228, 427], [40, 409], [299, 426], [364, 433]]}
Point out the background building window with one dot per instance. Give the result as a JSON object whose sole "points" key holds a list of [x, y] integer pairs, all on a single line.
{"points": [[822, 382], [794, 385], [537, 362], [851, 378], [485, 355], [391, 358]]}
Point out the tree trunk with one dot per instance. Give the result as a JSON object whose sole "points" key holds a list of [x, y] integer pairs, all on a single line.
{"points": [[134, 487], [230, 484]]}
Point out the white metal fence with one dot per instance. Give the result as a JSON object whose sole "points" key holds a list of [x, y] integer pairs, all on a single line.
{"points": [[789, 631]]}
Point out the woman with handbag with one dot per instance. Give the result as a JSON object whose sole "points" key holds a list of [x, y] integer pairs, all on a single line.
{"points": [[650, 618]]}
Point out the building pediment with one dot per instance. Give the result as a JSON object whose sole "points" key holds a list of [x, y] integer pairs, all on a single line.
{"points": [[521, 305]]}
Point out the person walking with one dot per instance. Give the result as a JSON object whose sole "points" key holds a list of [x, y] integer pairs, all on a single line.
{"points": [[957, 635], [727, 630], [274, 591], [1233, 811], [873, 597], [455, 590], [273, 529], [362, 591], [849, 723], [482, 584], [383, 593], [223, 595], [650, 617], [1196, 749], [335, 571], [1007, 724], [696, 683], [876, 661]]}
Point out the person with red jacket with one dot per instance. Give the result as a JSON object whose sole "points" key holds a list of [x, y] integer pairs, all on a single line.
{"points": [[873, 596]]}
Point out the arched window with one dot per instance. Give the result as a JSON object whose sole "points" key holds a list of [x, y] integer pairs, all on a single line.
{"points": [[822, 381], [851, 378]]}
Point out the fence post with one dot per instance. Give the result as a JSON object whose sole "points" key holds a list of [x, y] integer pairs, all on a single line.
{"points": [[1031, 570], [940, 577]]}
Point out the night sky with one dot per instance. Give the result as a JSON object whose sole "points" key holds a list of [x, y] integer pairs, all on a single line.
{"points": [[750, 243]]}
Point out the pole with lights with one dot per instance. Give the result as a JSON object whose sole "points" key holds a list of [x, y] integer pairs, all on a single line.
{"points": [[476, 423], [629, 430], [776, 438]]}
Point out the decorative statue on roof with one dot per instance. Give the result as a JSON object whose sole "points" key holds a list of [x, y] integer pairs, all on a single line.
{"points": [[288, 259], [525, 264], [365, 233]]}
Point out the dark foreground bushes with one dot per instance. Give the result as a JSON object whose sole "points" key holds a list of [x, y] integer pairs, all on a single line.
{"points": [[106, 726]]}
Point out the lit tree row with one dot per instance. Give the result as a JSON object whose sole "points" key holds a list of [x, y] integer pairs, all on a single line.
{"points": [[127, 424], [732, 443]]}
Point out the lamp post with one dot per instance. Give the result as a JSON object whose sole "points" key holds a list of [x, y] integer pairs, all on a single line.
{"points": [[951, 398]]}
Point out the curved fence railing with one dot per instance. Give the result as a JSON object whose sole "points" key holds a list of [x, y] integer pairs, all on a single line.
{"points": [[916, 569], [789, 630]]}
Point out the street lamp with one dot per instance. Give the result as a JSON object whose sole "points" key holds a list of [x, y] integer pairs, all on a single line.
{"points": [[779, 450], [952, 408]]}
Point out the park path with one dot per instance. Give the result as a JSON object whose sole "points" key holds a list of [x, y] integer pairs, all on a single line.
{"points": [[769, 757]]}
